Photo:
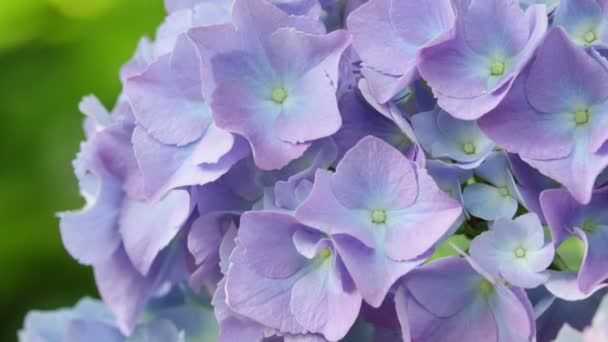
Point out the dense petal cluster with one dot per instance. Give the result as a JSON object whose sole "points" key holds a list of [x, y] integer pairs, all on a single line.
{"points": [[357, 170]]}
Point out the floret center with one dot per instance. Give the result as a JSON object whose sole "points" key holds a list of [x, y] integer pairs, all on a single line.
{"points": [[503, 191], [589, 37], [520, 252], [278, 95], [581, 117], [497, 68], [378, 216], [469, 148], [324, 254]]}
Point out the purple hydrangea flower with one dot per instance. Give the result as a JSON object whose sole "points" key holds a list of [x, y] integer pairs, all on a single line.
{"points": [[586, 21], [530, 184], [290, 277], [498, 195], [279, 97], [176, 143], [567, 217], [515, 250], [388, 35], [447, 300], [473, 67], [126, 239], [444, 137], [378, 208], [219, 205], [557, 122]]}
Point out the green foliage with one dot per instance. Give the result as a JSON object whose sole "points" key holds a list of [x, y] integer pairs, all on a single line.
{"points": [[445, 249], [51, 54]]}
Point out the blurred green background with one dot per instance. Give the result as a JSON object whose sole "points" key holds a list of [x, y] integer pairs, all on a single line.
{"points": [[52, 52]]}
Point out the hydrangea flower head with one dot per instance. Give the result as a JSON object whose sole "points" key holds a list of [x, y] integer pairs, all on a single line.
{"points": [[303, 167]]}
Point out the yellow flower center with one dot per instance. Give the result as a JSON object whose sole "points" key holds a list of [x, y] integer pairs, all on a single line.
{"points": [[503, 191], [378, 216], [278, 95], [324, 254], [520, 252], [469, 148], [589, 37], [581, 117], [497, 68]]}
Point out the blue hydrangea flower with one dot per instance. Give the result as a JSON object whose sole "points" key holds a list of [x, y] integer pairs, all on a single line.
{"points": [[585, 21], [515, 250]]}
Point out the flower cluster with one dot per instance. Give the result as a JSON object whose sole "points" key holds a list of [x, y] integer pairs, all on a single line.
{"points": [[324, 170]]}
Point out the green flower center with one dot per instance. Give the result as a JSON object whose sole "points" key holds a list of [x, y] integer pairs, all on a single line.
{"points": [[378, 216], [324, 254], [520, 252], [589, 226], [503, 191], [581, 117], [278, 95], [497, 68], [589, 37], [469, 148], [485, 287]]}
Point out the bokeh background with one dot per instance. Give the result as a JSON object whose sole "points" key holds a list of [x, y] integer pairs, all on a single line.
{"points": [[52, 52]]}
